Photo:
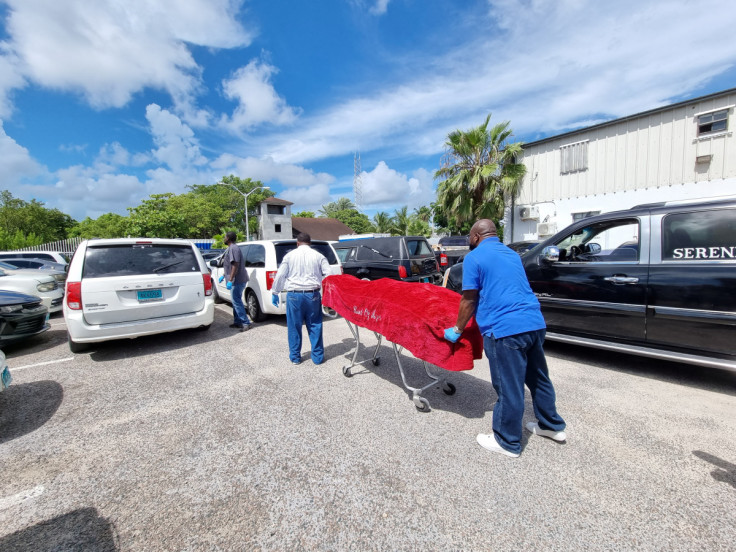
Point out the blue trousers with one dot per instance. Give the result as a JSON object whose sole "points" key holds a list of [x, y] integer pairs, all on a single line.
{"points": [[304, 309], [239, 315], [517, 360]]}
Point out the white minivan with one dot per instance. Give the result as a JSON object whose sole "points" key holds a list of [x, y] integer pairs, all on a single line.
{"points": [[127, 287], [262, 259]]}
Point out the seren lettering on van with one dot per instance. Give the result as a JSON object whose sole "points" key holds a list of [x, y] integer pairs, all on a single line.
{"points": [[695, 253]]}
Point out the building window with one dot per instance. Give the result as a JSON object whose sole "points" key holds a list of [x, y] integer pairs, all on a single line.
{"points": [[278, 228], [580, 216], [717, 121], [275, 209], [574, 157]]}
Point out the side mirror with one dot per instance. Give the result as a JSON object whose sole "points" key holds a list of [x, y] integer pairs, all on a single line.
{"points": [[594, 248], [550, 254], [213, 263]]}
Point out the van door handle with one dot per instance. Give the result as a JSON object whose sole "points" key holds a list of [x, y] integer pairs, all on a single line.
{"points": [[621, 280]]}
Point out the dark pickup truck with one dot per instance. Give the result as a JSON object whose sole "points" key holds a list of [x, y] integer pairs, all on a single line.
{"points": [[656, 280], [451, 250], [405, 258]]}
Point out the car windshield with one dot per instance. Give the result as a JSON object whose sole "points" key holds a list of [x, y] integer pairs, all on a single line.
{"points": [[7, 266], [138, 259], [342, 253], [283, 248]]}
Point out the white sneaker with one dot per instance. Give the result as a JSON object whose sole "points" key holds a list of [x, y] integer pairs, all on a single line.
{"points": [[533, 427], [489, 442]]}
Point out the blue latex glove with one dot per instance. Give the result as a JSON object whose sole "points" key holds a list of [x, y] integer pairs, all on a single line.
{"points": [[451, 336], [229, 285], [274, 300], [221, 278]]}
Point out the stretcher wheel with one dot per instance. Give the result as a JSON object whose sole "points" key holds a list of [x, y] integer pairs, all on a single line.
{"points": [[449, 389], [421, 404], [346, 372], [376, 361]]}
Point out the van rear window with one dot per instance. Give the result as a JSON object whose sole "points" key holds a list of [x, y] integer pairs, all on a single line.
{"points": [[138, 259], [283, 248]]}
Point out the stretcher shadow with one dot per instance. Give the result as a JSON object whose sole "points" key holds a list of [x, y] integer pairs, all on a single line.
{"points": [[82, 529], [26, 407], [472, 396]]}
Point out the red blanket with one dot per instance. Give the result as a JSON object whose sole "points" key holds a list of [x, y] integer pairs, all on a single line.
{"points": [[409, 314]]}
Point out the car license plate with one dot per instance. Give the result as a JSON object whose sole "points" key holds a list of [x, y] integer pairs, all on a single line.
{"points": [[6, 378], [150, 295]]}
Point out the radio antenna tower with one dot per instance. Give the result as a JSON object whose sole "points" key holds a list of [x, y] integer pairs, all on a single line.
{"points": [[357, 182]]}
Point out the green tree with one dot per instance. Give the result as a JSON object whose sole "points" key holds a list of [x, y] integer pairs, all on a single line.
{"points": [[400, 222], [357, 221], [109, 225], [157, 218], [423, 213], [479, 173], [382, 222], [342, 204], [46, 225], [418, 227], [305, 214]]}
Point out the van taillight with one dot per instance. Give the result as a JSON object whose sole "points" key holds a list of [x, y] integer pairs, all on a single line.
{"points": [[443, 259], [402, 272], [74, 295], [207, 284], [270, 277]]}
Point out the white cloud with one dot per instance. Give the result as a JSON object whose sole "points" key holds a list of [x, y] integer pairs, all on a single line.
{"points": [[310, 198], [257, 99], [85, 191], [108, 51], [176, 145], [379, 8], [384, 186], [16, 164], [267, 170], [549, 65], [11, 78]]}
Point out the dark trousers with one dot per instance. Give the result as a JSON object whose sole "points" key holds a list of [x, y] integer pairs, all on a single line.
{"points": [[517, 360]]}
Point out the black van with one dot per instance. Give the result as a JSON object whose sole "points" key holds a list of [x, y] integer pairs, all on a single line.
{"points": [[406, 258], [656, 280]]}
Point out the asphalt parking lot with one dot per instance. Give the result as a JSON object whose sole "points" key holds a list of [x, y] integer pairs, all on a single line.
{"points": [[215, 441]]}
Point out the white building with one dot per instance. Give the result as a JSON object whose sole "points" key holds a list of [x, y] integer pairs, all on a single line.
{"points": [[682, 151]]}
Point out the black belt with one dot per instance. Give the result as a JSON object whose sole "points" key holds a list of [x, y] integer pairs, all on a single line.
{"points": [[302, 290]]}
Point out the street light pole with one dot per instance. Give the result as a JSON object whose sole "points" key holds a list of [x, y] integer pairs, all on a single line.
{"points": [[245, 204]]}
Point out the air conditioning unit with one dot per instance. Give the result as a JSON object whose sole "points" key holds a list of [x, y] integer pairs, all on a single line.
{"points": [[546, 229], [529, 212]]}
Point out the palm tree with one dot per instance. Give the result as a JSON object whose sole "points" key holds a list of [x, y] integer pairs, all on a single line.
{"points": [[342, 204], [400, 222], [480, 173], [423, 213], [382, 222]]}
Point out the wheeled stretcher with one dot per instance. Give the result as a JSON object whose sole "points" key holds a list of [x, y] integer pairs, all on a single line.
{"points": [[410, 316]]}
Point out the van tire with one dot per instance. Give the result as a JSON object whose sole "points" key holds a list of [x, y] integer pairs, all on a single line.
{"points": [[254, 309], [75, 347]]}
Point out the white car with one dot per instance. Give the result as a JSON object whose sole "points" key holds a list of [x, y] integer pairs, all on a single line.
{"points": [[53, 256], [127, 287], [262, 260], [33, 282]]}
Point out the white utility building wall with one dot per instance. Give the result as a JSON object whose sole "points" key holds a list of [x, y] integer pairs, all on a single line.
{"points": [[683, 151]]}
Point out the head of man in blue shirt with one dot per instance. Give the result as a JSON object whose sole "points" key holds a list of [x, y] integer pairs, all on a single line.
{"points": [[497, 292]]}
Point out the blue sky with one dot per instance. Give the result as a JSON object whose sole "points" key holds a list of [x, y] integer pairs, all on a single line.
{"points": [[103, 103]]}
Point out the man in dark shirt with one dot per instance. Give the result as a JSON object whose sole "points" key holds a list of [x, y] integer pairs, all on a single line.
{"points": [[234, 272], [497, 291]]}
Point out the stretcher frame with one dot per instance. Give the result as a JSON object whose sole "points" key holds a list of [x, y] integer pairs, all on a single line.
{"points": [[420, 402]]}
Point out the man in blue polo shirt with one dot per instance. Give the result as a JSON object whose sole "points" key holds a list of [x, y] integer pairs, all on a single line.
{"points": [[496, 290]]}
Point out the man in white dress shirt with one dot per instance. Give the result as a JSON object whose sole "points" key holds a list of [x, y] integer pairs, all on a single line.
{"points": [[301, 273]]}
